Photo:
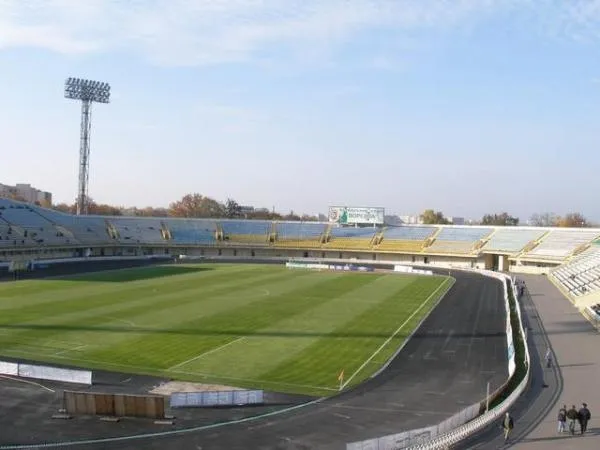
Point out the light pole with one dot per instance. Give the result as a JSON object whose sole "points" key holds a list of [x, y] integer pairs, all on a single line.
{"points": [[87, 91]]}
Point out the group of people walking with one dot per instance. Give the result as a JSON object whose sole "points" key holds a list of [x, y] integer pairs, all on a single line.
{"points": [[573, 416]]}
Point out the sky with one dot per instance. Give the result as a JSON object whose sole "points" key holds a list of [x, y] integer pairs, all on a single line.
{"points": [[464, 106]]}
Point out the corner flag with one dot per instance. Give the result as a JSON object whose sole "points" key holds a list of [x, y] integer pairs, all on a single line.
{"points": [[341, 379]]}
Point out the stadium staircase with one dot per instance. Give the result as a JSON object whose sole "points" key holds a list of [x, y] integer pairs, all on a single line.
{"points": [[533, 244], [272, 236], [377, 238], [326, 236], [111, 230], [165, 232], [431, 239], [219, 235], [483, 242], [579, 250]]}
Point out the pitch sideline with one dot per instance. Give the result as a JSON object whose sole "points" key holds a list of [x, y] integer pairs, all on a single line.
{"points": [[393, 335]]}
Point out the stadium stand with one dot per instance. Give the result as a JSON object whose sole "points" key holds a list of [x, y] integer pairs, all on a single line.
{"points": [[190, 231], [581, 276], [84, 229], [26, 222], [138, 229], [8, 238], [512, 240], [559, 244], [458, 240], [344, 238], [255, 232], [36, 232], [299, 234], [406, 238]]}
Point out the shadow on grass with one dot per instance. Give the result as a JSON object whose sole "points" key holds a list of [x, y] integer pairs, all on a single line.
{"points": [[236, 333], [135, 273]]}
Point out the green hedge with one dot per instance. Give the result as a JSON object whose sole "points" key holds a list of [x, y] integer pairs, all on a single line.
{"points": [[519, 343]]}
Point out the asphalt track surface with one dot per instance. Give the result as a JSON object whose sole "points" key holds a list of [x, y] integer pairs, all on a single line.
{"points": [[443, 368], [552, 322]]}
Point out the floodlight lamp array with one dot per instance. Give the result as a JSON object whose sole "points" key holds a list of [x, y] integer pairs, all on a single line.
{"points": [[89, 90]]}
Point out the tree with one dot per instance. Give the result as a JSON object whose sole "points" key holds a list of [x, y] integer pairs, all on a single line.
{"points": [[149, 211], [102, 209], [547, 219], [573, 220], [503, 219], [63, 207], [292, 216], [263, 214], [431, 217], [232, 209], [196, 205]]}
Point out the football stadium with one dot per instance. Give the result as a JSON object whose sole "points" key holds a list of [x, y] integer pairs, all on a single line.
{"points": [[217, 327], [131, 321]]}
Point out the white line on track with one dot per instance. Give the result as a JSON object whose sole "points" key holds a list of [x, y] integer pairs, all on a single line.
{"points": [[387, 341], [202, 355], [33, 383]]}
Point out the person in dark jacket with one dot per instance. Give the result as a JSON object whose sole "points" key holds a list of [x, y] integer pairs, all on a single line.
{"points": [[507, 425], [573, 417], [548, 358], [584, 417], [562, 419]]}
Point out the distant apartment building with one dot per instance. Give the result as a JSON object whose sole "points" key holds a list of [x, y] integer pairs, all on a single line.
{"points": [[457, 220], [411, 220], [25, 192]]}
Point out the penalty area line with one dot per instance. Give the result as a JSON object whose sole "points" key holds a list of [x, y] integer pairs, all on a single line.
{"points": [[125, 321], [202, 355], [67, 350], [387, 341]]}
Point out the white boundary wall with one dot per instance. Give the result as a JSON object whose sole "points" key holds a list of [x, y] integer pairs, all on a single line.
{"points": [[465, 423], [46, 373], [8, 368]]}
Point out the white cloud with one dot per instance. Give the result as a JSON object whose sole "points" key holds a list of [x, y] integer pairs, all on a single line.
{"points": [[197, 32]]}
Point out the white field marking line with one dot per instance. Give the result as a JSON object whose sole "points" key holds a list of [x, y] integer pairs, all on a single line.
{"points": [[126, 322], [49, 341], [387, 341], [254, 380], [47, 347], [74, 349], [202, 355], [33, 383]]}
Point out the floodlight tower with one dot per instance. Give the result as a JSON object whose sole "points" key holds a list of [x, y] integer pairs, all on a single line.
{"points": [[88, 92]]}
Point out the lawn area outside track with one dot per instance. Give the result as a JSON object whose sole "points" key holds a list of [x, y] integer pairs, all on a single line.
{"points": [[246, 325]]}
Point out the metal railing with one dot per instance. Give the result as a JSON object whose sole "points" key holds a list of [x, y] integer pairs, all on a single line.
{"points": [[466, 422]]}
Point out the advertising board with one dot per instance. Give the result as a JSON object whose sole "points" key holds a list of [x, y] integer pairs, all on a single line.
{"points": [[350, 215]]}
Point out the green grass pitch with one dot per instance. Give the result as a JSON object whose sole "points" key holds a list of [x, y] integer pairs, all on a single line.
{"points": [[246, 325]]}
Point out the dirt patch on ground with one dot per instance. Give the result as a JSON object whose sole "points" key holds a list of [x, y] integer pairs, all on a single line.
{"points": [[183, 386]]}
